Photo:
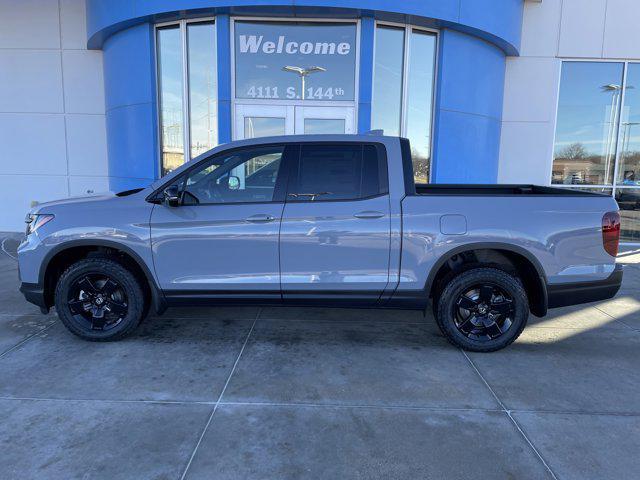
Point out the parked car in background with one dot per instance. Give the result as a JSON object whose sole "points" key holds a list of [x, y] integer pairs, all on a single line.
{"points": [[330, 220]]}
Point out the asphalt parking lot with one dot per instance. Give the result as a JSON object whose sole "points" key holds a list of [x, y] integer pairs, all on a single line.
{"points": [[275, 393]]}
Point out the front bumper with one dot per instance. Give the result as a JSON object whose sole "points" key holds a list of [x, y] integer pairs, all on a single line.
{"points": [[34, 293], [565, 294]]}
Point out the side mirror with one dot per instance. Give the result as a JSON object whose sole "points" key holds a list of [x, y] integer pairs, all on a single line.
{"points": [[171, 196], [233, 183]]}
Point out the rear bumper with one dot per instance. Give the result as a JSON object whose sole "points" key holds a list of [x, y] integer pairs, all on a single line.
{"points": [[565, 294], [34, 293]]}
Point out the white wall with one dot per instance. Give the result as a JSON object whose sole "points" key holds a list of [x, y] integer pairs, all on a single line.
{"points": [[52, 123], [553, 30]]}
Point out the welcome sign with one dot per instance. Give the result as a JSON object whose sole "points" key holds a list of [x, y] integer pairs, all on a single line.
{"points": [[323, 53], [256, 44]]}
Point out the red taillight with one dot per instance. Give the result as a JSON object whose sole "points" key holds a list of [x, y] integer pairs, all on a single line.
{"points": [[611, 232]]}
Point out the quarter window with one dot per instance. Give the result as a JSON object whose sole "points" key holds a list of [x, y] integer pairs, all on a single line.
{"points": [[339, 172]]}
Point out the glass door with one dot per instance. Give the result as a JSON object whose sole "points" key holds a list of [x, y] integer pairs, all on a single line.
{"points": [[254, 121], [324, 120], [263, 121]]}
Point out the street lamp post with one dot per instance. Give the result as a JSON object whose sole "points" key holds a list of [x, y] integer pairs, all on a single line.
{"points": [[303, 73]]}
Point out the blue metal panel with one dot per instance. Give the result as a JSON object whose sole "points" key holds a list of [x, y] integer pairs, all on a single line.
{"points": [[367, 33], [468, 148], [447, 10], [472, 75], [503, 19], [131, 144], [498, 21], [128, 67], [130, 99], [468, 110], [223, 42]]}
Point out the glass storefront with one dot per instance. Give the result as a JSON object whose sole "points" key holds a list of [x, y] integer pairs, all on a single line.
{"points": [[597, 145], [292, 77]]}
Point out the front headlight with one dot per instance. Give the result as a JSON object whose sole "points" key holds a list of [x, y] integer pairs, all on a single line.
{"points": [[35, 220]]}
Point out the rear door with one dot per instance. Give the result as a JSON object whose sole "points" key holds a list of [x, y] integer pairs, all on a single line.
{"points": [[335, 231]]}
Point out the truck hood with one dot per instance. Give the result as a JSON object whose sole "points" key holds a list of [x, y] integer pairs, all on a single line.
{"points": [[98, 197]]}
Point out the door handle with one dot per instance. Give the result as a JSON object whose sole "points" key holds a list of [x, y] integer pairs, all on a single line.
{"points": [[260, 218], [369, 214]]}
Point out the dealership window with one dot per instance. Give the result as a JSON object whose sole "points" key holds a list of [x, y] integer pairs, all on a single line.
{"points": [[187, 83], [597, 146], [295, 61], [403, 85], [294, 77]]}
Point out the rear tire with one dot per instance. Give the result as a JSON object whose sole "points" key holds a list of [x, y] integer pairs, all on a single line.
{"points": [[99, 300], [482, 309]]}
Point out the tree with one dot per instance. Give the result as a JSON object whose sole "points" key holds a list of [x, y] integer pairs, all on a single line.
{"points": [[575, 151]]}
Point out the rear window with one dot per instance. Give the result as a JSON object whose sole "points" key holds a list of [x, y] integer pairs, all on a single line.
{"points": [[339, 172]]}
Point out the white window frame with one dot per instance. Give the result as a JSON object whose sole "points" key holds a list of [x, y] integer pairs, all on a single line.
{"points": [[408, 28], [186, 113]]}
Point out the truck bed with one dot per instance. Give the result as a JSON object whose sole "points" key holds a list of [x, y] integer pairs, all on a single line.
{"points": [[498, 190]]}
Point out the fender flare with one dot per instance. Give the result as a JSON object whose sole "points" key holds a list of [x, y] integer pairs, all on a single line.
{"points": [[539, 310], [158, 300]]}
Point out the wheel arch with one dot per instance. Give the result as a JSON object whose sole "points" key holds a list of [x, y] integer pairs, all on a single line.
{"points": [[66, 253], [526, 264]]}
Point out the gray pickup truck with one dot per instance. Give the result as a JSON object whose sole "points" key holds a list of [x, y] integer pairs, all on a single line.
{"points": [[330, 220]]}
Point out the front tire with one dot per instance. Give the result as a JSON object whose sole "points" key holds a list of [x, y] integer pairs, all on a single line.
{"points": [[482, 309], [100, 300]]}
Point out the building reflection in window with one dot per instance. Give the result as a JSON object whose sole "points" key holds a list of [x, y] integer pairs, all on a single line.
{"points": [[403, 82], [598, 135], [199, 112], [588, 115], [169, 47], [203, 125]]}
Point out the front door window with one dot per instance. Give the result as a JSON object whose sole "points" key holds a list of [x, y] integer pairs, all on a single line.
{"points": [[242, 176]]}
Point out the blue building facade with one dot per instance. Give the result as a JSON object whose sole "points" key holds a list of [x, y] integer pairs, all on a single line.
{"points": [[462, 86]]}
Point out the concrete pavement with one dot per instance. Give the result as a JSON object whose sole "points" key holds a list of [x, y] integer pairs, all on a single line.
{"points": [[314, 393]]}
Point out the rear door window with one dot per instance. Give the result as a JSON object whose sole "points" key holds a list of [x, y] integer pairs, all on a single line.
{"points": [[339, 172]]}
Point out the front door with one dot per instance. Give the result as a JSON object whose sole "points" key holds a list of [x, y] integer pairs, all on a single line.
{"points": [[259, 120], [223, 238], [335, 233]]}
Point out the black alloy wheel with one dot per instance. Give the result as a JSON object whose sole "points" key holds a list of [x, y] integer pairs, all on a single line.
{"points": [[482, 309], [483, 312], [98, 301]]}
